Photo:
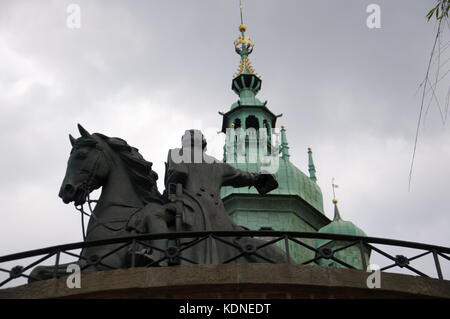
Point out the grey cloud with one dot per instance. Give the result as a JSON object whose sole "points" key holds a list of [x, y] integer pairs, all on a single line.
{"points": [[138, 69]]}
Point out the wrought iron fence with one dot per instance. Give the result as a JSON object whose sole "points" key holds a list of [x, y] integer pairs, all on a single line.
{"points": [[174, 254]]}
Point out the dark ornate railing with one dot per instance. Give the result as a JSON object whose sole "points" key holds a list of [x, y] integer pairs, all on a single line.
{"points": [[174, 254]]}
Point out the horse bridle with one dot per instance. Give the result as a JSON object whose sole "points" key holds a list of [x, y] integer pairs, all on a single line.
{"points": [[87, 187]]}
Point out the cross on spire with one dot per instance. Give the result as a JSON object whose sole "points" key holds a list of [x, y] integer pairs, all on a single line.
{"points": [[240, 7], [337, 216], [334, 186]]}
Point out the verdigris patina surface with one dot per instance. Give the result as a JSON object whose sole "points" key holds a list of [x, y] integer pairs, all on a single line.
{"points": [[193, 181], [130, 202]]}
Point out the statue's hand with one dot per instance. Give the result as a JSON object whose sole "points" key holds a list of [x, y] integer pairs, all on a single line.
{"points": [[265, 183]]}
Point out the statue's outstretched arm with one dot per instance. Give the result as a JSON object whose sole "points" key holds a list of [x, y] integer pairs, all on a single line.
{"points": [[234, 177]]}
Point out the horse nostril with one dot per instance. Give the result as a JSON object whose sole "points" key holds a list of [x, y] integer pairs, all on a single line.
{"points": [[69, 189]]}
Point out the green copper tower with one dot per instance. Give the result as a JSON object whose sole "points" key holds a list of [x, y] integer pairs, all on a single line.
{"points": [[297, 204]]}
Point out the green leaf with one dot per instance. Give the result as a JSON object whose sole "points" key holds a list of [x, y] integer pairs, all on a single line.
{"points": [[430, 14], [440, 11]]}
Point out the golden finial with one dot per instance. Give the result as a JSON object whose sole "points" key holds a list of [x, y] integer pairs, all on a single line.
{"points": [[335, 201], [242, 28], [282, 126], [309, 148]]}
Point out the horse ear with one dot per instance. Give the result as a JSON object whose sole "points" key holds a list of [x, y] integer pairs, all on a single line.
{"points": [[72, 140], [83, 132]]}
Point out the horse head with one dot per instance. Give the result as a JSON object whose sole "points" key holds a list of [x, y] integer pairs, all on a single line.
{"points": [[87, 168], [98, 160]]}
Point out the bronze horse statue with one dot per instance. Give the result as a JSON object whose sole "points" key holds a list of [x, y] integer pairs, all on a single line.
{"points": [[130, 203], [128, 185]]}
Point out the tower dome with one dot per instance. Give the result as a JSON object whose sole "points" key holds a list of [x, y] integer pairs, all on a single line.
{"points": [[350, 255]]}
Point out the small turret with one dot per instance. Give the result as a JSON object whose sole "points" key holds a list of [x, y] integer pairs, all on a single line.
{"points": [[284, 144], [311, 167], [350, 255]]}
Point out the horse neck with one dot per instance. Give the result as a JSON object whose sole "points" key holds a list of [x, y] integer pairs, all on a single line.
{"points": [[118, 189]]}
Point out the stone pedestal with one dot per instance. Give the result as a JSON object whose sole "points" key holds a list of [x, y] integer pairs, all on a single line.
{"points": [[234, 281]]}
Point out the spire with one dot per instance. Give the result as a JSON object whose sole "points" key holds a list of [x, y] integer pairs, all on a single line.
{"points": [[242, 19], [246, 83], [337, 216], [284, 144], [311, 167], [244, 47]]}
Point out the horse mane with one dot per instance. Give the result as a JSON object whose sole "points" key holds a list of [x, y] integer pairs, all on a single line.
{"points": [[143, 178]]}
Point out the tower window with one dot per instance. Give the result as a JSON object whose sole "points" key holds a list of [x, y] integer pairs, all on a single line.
{"points": [[252, 121], [269, 136], [237, 123]]}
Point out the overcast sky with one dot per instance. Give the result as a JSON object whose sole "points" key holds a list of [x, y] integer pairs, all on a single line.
{"points": [[147, 70]]}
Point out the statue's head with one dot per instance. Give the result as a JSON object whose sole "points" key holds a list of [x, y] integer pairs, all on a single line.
{"points": [[193, 138], [87, 168]]}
